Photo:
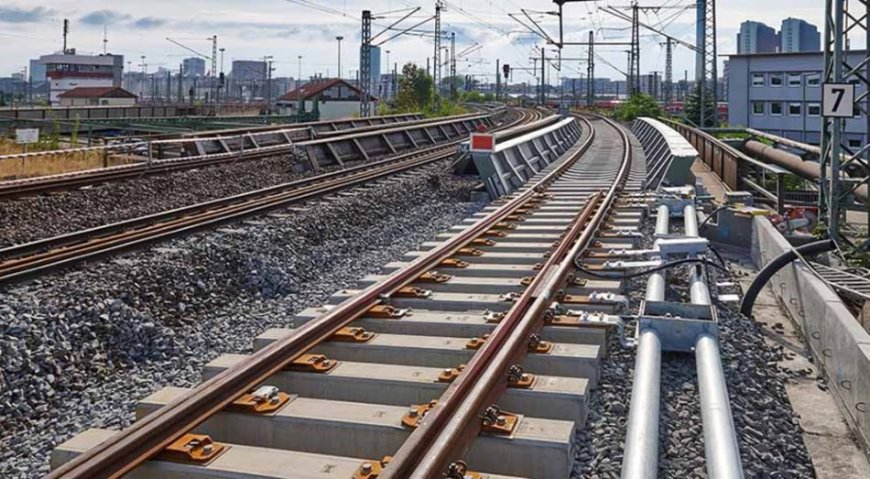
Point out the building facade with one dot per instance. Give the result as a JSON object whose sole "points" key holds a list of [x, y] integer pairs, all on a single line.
{"points": [[193, 67], [756, 37], [780, 93], [799, 36], [37, 71], [335, 98], [68, 71], [97, 96], [248, 70]]}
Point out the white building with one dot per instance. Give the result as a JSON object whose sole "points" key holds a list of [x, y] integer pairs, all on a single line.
{"points": [[68, 71], [335, 98]]}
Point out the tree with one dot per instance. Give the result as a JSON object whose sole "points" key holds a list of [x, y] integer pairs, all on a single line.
{"points": [[638, 105], [415, 90], [692, 109]]}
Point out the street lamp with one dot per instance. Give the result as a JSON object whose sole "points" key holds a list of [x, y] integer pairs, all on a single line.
{"points": [[299, 76], [339, 38]]}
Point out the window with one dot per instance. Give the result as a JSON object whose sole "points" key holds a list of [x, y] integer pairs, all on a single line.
{"points": [[794, 109], [758, 79], [775, 108], [794, 79], [776, 79], [758, 108], [854, 144], [814, 79], [814, 109]]}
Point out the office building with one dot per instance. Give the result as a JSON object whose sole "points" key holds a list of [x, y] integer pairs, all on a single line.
{"points": [[756, 37], [193, 67], [248, 71], [799, 36], [66, 71], [780, 93], [37, 71]]}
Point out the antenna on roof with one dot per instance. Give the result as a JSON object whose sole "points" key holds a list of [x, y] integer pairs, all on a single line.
{"points": [[65, 33], [105, 39]]}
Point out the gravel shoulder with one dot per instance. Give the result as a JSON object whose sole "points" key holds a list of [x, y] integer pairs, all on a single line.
{"points": [[42, 216], [768, 430], [78, 349]]}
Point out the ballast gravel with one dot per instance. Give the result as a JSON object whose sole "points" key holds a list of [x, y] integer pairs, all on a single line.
{"points": [[768, 431], [79, 349], [42, 216]]}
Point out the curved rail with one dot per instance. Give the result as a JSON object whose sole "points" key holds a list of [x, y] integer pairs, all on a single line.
{"points": [[37, 257], [145, 438], [16, 188], [451, 426]]}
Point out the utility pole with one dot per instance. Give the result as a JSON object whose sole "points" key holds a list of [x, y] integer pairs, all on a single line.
{"points": [[706, 75], [339, 38], [214, 51], [634, 56], [365, 68], [843, 64], [437, 58], [669, 70], [181, 83], [543, 76], [453, 66], [497, 79], [590, 71]]}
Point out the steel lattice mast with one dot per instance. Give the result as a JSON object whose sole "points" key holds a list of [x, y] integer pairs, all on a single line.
{"points": [[843, 64], [706, 74], [590, 71], [634, 53], [365, 65], [436, 70]]}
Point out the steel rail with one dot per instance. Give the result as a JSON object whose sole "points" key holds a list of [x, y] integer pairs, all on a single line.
{"points": [[454, 422], [92, 243], [150, 435], [16, 188]]}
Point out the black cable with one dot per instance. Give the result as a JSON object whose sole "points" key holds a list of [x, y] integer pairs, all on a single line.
{"points": [[719, 257], [712, 213], [647, 271]]}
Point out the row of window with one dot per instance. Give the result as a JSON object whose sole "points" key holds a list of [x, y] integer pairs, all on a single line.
{"points": [[776, 108], [790, 79]]}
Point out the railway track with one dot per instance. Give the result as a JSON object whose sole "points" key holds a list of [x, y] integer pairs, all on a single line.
{"points": [[401, 378], [38, 257], [204, 153]]}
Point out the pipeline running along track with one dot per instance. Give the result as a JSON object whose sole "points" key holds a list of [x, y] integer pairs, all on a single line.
{"points": [[413, 365], [38, 257]]}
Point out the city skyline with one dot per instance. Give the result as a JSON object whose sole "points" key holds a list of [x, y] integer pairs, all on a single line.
{"points": [[258, 28]]}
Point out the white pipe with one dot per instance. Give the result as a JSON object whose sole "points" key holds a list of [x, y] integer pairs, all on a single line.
{"points": [[641, 457]]}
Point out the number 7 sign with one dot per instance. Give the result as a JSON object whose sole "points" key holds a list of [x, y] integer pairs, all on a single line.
{"points": [[838, 100]]}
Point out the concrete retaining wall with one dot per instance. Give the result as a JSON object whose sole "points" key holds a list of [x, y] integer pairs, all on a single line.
{"points": [[837, 341]]}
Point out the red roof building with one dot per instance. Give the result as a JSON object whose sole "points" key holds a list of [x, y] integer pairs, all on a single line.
{"points": [[336, 98], [97, 96]]}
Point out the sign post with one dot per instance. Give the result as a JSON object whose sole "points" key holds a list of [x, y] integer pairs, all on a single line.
{"points": [[26, 136], [838, 100]]}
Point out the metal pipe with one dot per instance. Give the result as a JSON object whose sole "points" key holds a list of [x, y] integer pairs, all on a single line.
{"points": [[808, 170], [720, 441], [641, 457], [690, 221]]}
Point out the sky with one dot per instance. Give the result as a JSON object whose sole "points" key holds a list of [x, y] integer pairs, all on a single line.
{"points": [[286, 29]]}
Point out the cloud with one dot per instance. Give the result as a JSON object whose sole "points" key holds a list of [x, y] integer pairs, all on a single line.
{"points": [[21, 15], [149, 22], [104, 17]]}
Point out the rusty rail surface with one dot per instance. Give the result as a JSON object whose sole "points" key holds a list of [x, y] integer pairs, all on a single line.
{"points": [[454, 422], [152, 434]]}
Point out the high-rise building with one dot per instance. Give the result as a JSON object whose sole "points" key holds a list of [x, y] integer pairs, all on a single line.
{"points": [[756, 37], [67, 71], [193, 67], [799, 36], [248, 71], [37, 71]]}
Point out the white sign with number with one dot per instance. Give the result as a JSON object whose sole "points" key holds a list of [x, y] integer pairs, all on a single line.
{"points": [[24, 136], [838, 100]]}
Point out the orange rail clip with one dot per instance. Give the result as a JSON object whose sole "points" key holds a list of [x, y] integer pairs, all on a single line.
{"points": [[313, 363], [193, 449], [416, 413], [385, 311], [352, 335], [476, 343], [372, 469], [449, 374]]}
